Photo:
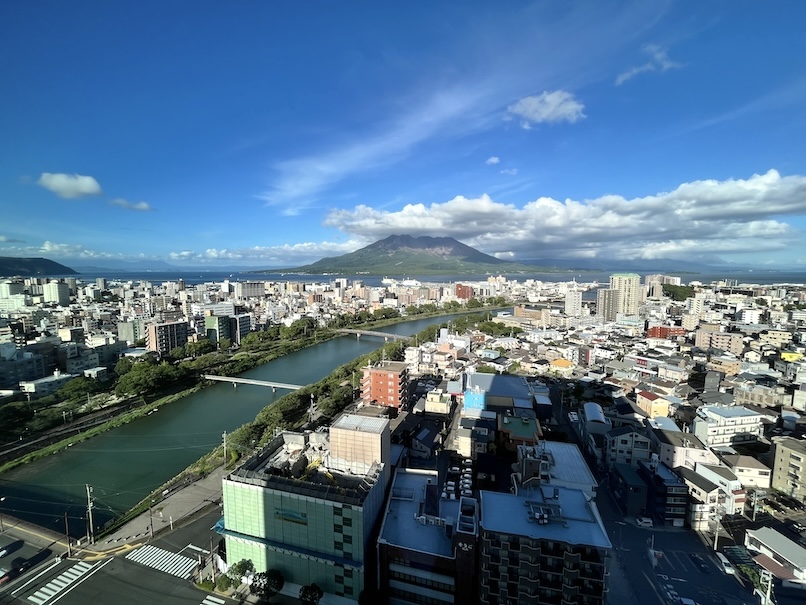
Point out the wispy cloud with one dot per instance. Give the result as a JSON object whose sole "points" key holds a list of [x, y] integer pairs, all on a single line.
{"points": [[301, 181], [123, 203], [4, 239], [658, 61], [548, 107], [69, 186], [699, 217], [493, 160], [509, 171]]}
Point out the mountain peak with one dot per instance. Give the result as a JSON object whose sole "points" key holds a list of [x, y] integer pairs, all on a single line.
{"points": [[420, 255]]}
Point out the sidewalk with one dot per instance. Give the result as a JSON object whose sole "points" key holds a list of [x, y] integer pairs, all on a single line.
{"points": [[179, 506]]}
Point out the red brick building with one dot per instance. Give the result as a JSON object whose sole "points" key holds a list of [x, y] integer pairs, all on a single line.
{"points": [[385, 384], [665, 331]]}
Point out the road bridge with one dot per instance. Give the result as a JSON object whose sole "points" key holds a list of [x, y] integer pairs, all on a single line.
{"points": [[261, 383], [384, 335]]}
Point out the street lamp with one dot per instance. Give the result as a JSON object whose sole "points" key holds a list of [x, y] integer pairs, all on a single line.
{"points": [[2, 529]]}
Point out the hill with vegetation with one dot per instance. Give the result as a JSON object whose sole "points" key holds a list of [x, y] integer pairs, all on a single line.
{"points": [[27, 267]]}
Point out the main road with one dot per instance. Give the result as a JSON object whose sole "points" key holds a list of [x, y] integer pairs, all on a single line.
{"points": [[125, 464]]}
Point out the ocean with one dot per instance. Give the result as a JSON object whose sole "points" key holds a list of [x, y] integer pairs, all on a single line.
{"points": [[196, 276]]}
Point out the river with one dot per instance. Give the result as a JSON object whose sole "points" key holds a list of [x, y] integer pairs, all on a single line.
{"points": [[125, 464]]}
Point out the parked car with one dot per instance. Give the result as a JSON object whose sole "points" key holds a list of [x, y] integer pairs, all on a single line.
{"points": [[644, 522]]}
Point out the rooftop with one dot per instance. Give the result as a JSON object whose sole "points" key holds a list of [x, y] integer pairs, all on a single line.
{"points": [[548, 513], [300, 463], [780, 545], [416, 517], [366, 424]]}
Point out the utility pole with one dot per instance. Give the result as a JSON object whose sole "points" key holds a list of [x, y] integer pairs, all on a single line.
{"points": [[67, 534], [90, 530]]}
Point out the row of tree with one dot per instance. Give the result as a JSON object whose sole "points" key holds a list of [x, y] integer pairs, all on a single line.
{"points": [[265, 584]]}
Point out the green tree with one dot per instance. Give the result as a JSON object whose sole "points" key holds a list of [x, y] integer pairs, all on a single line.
{"points": [[677, 293], [238, 570], [123, 366], [761, 302], [177, 353], [223, 583], [311, 594], [225, 344], [266, 584], [473, 303]]}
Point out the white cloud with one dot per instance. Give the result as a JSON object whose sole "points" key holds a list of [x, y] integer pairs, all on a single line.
{"points": [[139, 206], [658, 61], [510, 171], [4, 239], [58, 250], [286, 255], [493, 160], [548, 107], [700, 217], [69, 186]]}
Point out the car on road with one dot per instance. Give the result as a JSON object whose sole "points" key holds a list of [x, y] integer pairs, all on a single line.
{"points": [[644, 522], [699, 562]]}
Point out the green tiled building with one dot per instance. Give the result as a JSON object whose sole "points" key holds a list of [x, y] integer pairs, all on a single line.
{"points": [[308, 509]]}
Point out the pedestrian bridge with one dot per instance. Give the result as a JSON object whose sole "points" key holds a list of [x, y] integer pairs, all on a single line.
{"points": [[261, 383], [385, 335]]}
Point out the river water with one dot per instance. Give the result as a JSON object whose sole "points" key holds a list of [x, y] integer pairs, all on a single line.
{"points": [[125, 464]]}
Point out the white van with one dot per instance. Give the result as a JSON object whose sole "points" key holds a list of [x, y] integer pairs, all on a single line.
{"points": [[726, 566], [644, 522]]}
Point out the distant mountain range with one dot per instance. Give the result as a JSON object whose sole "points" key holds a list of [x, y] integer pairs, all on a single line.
{"points": [[31, 267]]}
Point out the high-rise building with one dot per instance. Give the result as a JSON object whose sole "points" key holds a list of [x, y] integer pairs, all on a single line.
{"points": [[307, 504], [629, 288], [607, 303], [57, 292], [573, 303]]}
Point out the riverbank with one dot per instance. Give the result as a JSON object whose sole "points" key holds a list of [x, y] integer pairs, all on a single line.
{"points": [[123, 466], [82, 430]]}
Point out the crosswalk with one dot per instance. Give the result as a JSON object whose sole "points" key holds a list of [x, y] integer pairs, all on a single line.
{"points": [[211, 600], [163, 560], [59, 583]]}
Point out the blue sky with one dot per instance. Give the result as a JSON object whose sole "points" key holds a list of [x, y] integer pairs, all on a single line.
{"points": [[272, 134]]}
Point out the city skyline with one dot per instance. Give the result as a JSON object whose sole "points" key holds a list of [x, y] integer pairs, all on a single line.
{"points": [[269, 135]]}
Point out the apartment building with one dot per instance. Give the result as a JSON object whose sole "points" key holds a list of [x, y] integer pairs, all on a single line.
{"points": [[542, 546], [789, 466], [720, 425], [732, 342], [427, 543], [667, 493], [733, 495], [162, 337], [626, 445], [308, 502], [629, 287], [385, 384], [704, 499]]}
